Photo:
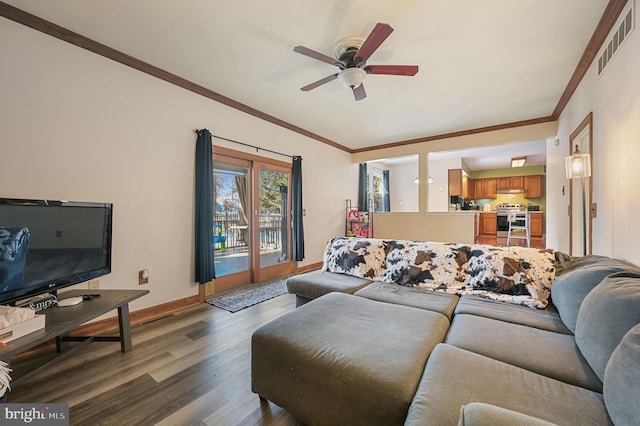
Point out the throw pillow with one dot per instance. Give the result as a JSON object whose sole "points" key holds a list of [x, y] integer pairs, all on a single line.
{"points": [[576, 281], [622, 380], [607, 313]]}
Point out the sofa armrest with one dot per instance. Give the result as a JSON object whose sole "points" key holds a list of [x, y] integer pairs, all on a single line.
{"points": [[480, 414]]}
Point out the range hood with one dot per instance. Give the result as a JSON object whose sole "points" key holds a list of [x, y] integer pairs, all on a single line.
{"points": [[510, 191]]}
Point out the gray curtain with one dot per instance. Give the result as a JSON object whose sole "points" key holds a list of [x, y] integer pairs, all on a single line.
{"points": [[241, 186], [205, 269], [386, 202], [296, 201], [243, 207], [284, 221], [362, 188]]}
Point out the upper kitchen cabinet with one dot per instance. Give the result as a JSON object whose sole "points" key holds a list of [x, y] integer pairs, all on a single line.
{"points": [[510, 183], [532, 186], [459, 184], [485, 188]]}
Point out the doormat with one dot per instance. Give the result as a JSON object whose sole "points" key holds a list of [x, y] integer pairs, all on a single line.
{"points": [[239, 300]]}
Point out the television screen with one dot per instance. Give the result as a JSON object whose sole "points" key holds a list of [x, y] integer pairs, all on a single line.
{"points": [[46, 245]]}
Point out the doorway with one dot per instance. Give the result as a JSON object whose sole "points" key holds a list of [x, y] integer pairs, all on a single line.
{"points": [[581, 193], [252, 220]]}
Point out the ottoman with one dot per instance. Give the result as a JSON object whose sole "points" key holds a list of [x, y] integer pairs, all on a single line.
{"points": [[343, 359]]}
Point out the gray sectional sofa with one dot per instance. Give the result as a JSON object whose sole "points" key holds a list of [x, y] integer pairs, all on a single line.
{"points": [[361, 349]]}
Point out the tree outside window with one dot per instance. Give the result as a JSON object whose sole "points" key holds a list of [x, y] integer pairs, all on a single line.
{"points": [[376, 190]]}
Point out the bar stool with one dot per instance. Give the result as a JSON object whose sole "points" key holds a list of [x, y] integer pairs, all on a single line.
{"points": [[518, 222]]}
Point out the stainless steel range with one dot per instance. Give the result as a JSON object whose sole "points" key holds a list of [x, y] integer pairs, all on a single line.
{"points": [[503, 210]]}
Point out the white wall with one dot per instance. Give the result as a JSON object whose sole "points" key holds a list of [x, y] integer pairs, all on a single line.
{"points": [[404, 193], [78, 126], [439, 190], [614, 98]]}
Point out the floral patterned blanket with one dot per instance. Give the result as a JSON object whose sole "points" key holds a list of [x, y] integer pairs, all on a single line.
{"points": [[511, 274]]}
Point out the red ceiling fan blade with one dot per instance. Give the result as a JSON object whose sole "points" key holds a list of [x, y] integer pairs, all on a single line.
{"points": [[359, 93], [378, 35], [408, 70], [317, 55], [319, 82]]}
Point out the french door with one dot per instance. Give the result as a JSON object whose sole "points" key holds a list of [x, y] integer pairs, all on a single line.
{"points": [[252, 218]]}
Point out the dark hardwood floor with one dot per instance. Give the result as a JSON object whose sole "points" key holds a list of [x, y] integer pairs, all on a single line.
{"points": [[189, 368]]}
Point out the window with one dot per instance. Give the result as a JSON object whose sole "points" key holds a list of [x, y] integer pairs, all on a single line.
{"points": [[375, 189]]}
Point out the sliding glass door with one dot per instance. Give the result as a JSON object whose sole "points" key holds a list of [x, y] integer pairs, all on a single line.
{"points": [[274, 221], [252, 223], [231, 226]]}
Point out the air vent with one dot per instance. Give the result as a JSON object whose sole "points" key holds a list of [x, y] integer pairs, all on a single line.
{"points": [[621, 34]]}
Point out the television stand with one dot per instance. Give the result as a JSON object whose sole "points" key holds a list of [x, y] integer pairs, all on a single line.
{"points": [[59, 321]]}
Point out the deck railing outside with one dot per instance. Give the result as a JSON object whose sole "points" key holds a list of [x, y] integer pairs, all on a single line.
{"points": [[271, 234]]}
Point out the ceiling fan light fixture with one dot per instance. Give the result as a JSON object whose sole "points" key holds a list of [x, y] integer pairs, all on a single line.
{"points": [[352, 77]]}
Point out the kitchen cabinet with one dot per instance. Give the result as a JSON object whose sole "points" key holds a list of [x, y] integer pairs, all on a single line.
{"points": [[503, 184], [532, 186], [536, 228], [511, 183], [488, 224], [486, 228], [455, 182], [516, 182], [459, 184], [485, 188]]}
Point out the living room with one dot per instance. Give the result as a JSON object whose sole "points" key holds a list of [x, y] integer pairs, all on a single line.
{"points": [[80, 126]]}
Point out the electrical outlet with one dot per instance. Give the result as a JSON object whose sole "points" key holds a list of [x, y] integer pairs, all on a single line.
{"points": [[143, 277], [94, 285]]}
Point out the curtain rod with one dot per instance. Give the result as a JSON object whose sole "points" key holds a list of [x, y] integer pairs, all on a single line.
{"points": [[257, 148]]}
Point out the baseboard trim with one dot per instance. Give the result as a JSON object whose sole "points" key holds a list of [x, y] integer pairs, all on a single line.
{"points": [[309, 268], [137, 317]]}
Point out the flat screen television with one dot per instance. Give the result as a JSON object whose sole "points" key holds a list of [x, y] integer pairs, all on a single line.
{"points": [[46, 245]]}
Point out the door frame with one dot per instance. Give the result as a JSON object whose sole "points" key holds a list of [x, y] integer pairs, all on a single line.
{"points": [[587, 123], [284, 268], [255, 273]]}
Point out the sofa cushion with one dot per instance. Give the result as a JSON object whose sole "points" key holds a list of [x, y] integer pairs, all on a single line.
{"points": [[479, 414], [544, 352], [342, 359], [545, 319], [622, 380], [576, 281], [443, 303], [607, 313], [455, 377], [318, 283]]}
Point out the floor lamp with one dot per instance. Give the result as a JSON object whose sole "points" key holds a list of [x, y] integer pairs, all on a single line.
{"points": [[578, 166]]}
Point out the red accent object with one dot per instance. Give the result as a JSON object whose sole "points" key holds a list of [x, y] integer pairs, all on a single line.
{"points": [[408, 70], [379, 34]]}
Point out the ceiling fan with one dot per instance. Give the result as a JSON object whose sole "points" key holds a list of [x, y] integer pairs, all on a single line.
{"points": [[351, 55]]}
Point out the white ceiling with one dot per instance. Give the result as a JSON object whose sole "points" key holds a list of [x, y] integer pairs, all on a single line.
{"points": [[482, 63], [499, 156]]}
